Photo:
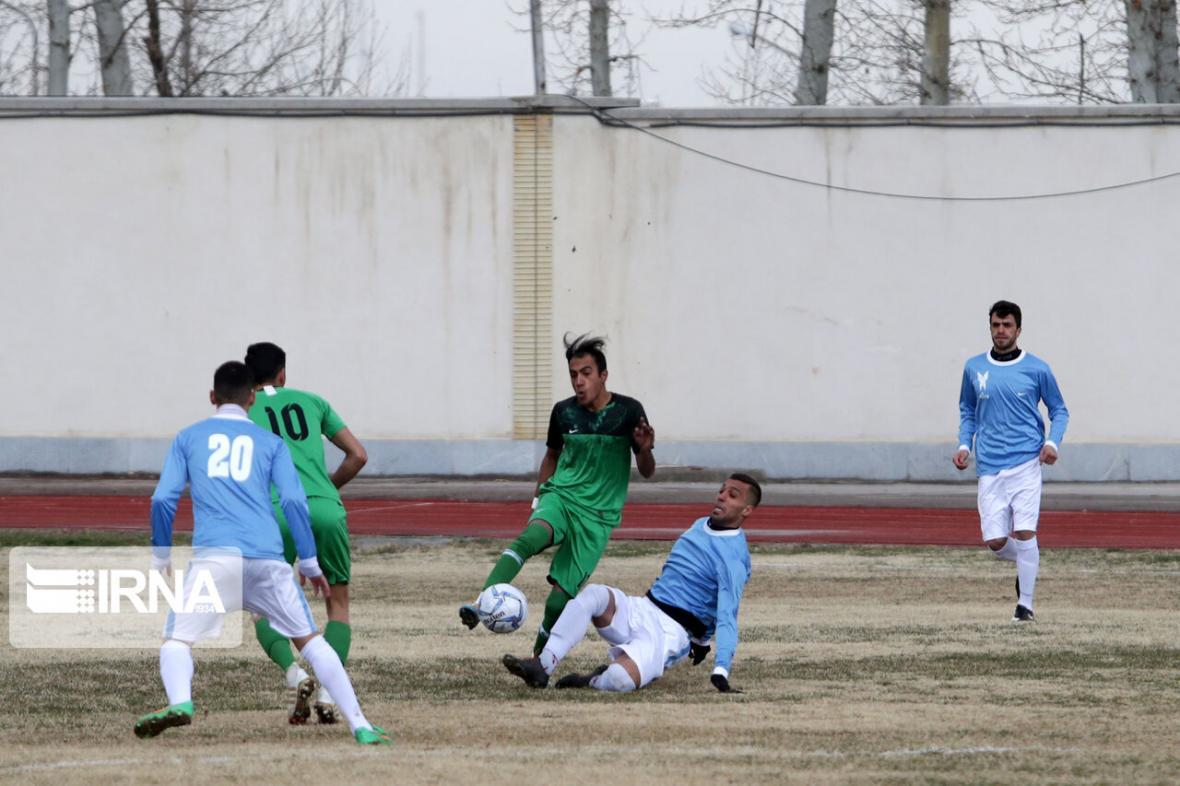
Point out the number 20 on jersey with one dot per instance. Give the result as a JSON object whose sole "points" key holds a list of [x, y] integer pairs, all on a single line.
{"points": [[230, 459]]}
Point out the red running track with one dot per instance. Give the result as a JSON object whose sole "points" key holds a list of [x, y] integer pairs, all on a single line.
{"points": [[901, 526]]}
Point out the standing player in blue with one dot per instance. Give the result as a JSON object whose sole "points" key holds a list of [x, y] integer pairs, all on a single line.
{"points": [[695, 597], [230, 465], [998, 410]]}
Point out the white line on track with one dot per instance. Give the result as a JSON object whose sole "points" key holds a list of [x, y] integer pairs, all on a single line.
{"points": [[361, 511]]}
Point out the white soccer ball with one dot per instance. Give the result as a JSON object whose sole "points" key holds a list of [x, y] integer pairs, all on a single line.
{"points": [[502, 608]]}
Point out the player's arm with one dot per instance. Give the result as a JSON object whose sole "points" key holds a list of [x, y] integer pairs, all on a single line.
{"points": [[967, 404], [293, 501], [732, 582], [164, 499], [554, 444], [1058, 416], [355, 456], [548, 466], [643, 439]]}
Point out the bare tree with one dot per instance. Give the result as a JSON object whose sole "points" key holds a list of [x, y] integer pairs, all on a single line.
{"points": [[199, 47], [20, 39], [114, 60], [583, 36], [59, 47], [936, 60], [1152, 66], [815, 51], [599, 39]]}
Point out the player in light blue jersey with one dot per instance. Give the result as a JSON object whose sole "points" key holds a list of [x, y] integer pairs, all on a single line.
{"points": [[695, 598], [999, 412], [229, 464]]}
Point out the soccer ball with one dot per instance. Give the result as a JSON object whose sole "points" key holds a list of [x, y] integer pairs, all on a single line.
{"points": [[502, 608]]}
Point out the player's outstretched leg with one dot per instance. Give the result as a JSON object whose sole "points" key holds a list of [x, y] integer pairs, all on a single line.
{"points": [[535, 538], [176, 672], [327, 666], [614, 679], [528, 669], [580, 680], [573, 617], [555, 604]]}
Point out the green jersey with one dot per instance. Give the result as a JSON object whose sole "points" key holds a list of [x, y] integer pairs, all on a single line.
{"points": [[594, 468], [300, 418]]}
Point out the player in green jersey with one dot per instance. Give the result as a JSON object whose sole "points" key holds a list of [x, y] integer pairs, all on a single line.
{"points": [[300, 418], [582, 482]]}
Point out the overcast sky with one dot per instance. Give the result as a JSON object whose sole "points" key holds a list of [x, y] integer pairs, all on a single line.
{"points": [[471, 48]]}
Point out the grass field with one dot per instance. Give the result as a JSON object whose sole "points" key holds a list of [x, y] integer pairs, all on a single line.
{"points": [[861, 665]]}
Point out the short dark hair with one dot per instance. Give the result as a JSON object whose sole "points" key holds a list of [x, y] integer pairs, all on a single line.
{"points": [[1005, 308], [233, 383], [755, 493], [265, 360], [585, 344]]}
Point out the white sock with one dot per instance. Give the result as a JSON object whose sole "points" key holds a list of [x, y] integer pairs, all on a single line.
{"points": [[176, 671], [570, 627], [615, 680], [1028, 559], [1008, 551], [330, 671], [325, 697], [295, 675]]}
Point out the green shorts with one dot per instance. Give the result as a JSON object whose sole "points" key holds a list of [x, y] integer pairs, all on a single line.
{"points": [[580, 537], [329, 527]]}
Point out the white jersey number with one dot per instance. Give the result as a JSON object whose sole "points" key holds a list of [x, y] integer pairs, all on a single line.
{"points": [[230, 460]]}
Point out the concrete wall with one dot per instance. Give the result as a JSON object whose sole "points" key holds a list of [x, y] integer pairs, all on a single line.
{"points": [[798, 330]]}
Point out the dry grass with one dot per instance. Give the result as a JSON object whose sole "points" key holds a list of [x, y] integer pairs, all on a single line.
{"points": [[862, 665]]}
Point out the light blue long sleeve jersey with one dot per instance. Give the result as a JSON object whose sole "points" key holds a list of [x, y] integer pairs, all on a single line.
{"points": [[230, 464], [998, 408], [705, 574]]}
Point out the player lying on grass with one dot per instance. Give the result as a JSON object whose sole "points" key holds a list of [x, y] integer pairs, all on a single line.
{"points": [[230, 464], [695, 597]]}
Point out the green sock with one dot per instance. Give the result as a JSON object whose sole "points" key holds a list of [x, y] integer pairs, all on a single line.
{"points": [[533, 540], [339, 637], [553, 608], [275, 645]]}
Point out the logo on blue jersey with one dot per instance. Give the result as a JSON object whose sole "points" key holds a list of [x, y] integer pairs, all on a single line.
{"points": [[982, 379]]}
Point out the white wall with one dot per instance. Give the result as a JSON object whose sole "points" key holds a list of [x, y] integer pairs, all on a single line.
{"points": [[815, 333], [139, 253], [745, 307]]}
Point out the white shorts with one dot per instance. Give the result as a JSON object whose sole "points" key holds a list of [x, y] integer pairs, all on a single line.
{"points": [[647, 635], [268, 588], [1010, 500]]}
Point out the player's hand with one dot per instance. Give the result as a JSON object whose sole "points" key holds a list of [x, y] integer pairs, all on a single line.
{"points": [[1048, 455], [319, 585], [698, 652], [163, 565], [721, 683], [960, 459], [644, 435]]}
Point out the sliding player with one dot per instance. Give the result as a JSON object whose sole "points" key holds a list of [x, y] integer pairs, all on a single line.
{"points": [[695, 597]]}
